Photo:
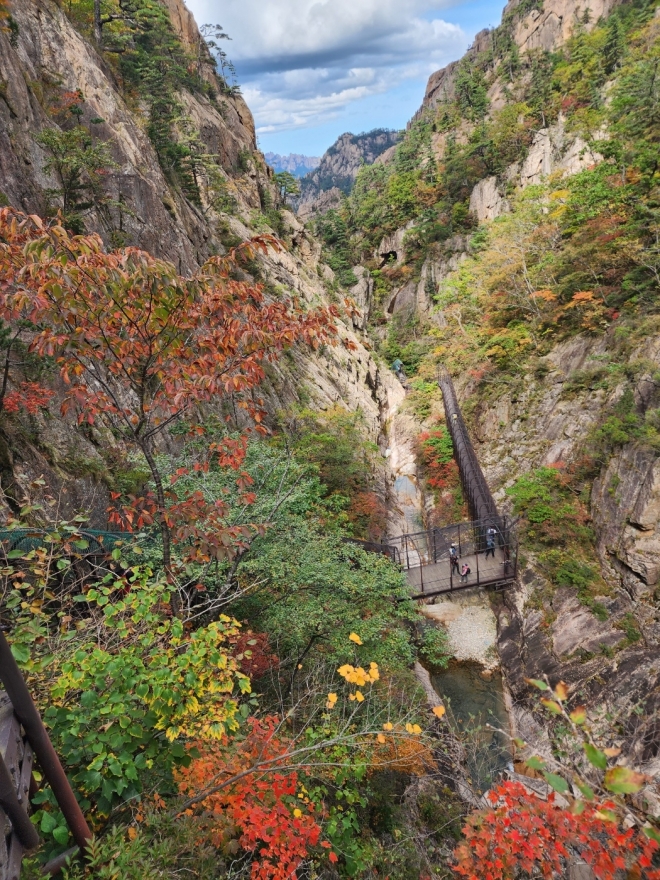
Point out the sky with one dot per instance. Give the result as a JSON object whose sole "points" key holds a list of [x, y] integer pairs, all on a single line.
{"points": [[311, 70]]}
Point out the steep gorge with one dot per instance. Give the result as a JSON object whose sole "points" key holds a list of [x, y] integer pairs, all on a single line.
{"points": [[512, 237], [446, 247]]}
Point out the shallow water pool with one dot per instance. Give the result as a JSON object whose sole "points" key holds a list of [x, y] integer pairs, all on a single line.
{"points": [[473, 702]]}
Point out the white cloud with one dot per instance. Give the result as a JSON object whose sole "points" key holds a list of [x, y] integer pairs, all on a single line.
{"points": [[303, 62]]}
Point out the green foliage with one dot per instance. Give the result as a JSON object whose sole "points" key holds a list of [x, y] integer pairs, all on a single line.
{"points": [[332, 229], [140, 683], [471, 89], [286, 184], [80, 166], [407, 341], [152, 62], [566, 570], [316, 590], [434, 646], [421, 397], [162, 848], [333, 442], [369, 212], [556, 520], [623, 423], [439, 445], [415, 148]]}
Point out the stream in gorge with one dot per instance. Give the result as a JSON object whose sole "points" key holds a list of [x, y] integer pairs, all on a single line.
{"points": [[472, 686]]}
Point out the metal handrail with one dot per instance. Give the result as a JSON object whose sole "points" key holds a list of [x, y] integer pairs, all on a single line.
{"points": [[481, 503]]}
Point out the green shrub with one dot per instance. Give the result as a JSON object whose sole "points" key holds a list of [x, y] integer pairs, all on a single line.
{"points": [[434, 646]]}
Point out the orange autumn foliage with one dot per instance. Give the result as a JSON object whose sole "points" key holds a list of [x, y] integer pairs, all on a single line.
{"points": [[139, 347], [29, 397], [259, 811], [403, 754], [368, 513]]}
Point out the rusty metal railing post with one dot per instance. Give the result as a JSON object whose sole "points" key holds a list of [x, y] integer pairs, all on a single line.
{"points": [[29, 717], [23, 828]]}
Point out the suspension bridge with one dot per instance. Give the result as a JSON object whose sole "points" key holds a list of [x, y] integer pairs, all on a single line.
{"points": [[487, 543]]}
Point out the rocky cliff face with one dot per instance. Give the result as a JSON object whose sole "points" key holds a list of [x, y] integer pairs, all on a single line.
{"points": [[546, 27], [50, 58], [610, 659], [323, 188]]}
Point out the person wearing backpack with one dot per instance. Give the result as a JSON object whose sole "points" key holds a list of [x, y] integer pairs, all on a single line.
{"points": [[465, 573], [490, 542], [453, 559]]}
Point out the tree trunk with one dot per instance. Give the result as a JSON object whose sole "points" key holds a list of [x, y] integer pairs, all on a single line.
{"points": [[5, 374], [98, 30], [164, 528]]}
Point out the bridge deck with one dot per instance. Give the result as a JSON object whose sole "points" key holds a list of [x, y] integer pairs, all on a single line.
{"points": [[436, 578]]}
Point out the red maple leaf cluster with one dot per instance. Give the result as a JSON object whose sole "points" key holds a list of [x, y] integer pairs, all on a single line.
{"points": [[263, 807], [524, 836], [29, 397]]}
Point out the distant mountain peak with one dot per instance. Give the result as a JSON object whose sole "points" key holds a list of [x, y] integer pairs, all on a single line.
{"points": [[294, 163], [335, 175]]}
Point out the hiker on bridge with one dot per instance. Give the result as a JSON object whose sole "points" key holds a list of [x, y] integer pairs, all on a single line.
{"points": [[490, 542], [453, 559], [466, 571]]}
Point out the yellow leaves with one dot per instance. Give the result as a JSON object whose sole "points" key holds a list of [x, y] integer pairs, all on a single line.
{"points": [[132, 832], [358, 675], [560, 198], [561, 691], [332, 700], [439, 711], [552, 706], [388, 726], [297, 813], [413, 728], [191, 689], [354, 637], [545, 295], [578, 715], [381, 739]]}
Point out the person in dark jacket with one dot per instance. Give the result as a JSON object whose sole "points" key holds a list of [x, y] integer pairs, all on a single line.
{"points": [[490, 542], [453, 559]]}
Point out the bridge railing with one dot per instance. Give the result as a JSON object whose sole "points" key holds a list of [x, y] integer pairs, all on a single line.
{"points": [[425, 556], [480, 501], [389, 549], [433, 545]]}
